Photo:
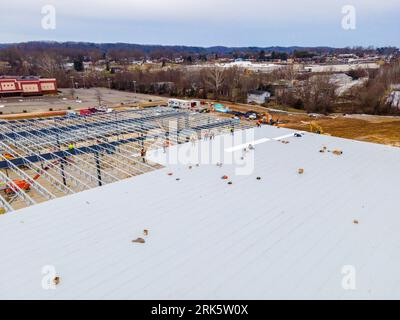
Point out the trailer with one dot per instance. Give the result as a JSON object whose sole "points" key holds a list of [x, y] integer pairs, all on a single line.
{"points": [[184, 104]]}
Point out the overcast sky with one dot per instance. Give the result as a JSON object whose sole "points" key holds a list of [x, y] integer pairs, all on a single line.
{"points": [[205, 22]]}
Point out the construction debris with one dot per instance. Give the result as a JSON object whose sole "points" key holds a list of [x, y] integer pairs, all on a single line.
{"points": [[230, 182], [337, 152], [139, 240], [2, 211], [355, 221], [170, 173], [258, 178], [224, 177], [301, 171], [146, 232], [56, 280]]}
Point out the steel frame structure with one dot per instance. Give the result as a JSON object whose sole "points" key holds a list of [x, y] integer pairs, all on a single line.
{"points": [[75, 153]]}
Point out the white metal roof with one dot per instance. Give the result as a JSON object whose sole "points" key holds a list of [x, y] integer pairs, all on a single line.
{"points": [[284, 236]]}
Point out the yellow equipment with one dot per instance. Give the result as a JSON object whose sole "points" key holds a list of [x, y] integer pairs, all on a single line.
{"points": [[316, 128], [265, 119], [8, 156]]}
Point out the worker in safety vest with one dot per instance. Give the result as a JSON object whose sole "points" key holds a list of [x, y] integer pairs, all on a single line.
{"points": [[165, 145], [143, 154]]}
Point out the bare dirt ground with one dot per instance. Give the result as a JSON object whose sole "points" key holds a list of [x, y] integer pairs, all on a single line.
{"points": [[378, 129], [370, 128]]}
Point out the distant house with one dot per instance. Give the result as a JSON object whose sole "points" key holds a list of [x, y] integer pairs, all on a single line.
{"points": [[87, 65], [137, 62], [258, 97], [116, 70], [69, 66]]}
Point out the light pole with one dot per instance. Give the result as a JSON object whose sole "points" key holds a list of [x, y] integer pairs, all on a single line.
{"points": [[72, 86], [72, 82]]}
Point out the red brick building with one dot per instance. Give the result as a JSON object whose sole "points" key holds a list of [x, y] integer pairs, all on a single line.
{"points": [[26, 86]]}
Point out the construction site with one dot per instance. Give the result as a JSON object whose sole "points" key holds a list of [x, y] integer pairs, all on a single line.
{"points": [[43, 159], [97, 194]]}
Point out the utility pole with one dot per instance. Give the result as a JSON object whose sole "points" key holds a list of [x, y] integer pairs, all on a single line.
{"points": [[72, 86]]}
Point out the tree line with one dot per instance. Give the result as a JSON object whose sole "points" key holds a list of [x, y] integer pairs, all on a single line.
{"points": [[289, 88]]}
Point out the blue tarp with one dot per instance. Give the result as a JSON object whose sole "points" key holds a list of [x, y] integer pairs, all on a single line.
{"points": [[221, 108]]}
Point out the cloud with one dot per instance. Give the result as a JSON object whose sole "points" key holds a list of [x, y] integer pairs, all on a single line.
{"points": [[224, 10], [245, 22]]}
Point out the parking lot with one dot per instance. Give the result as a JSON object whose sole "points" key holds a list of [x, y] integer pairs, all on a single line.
{"points": [[81, 98]]}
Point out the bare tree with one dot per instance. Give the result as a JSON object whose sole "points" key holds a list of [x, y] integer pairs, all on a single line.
{"points": [[48, 66], [318, 94], [215, 79]]}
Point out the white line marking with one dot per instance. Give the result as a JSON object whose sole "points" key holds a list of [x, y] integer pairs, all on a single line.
{"points": [[245, 145], [283, 137]]}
